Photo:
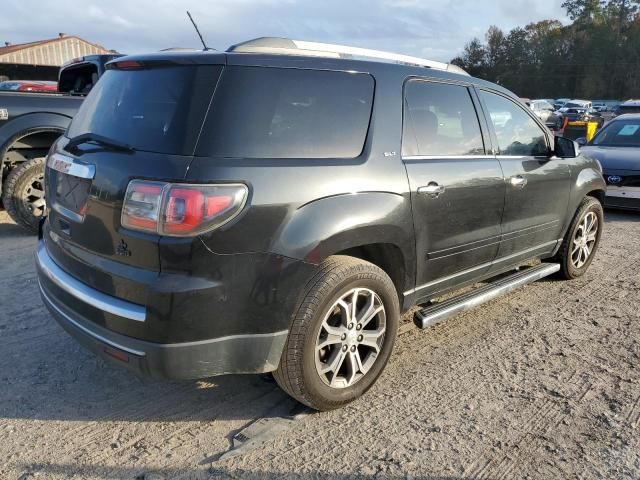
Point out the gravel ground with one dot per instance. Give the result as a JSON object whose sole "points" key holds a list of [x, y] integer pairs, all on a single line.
{"points": [[542, 383]]}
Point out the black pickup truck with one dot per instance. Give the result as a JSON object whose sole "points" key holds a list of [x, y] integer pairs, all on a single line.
{"points": [[29, 124]]}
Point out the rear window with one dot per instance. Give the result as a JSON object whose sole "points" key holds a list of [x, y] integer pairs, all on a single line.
{"points": [[439, 119], [157, 109], [288, 113], [78, 79]]}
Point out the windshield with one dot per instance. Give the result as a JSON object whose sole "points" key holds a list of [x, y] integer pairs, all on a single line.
{"points": [[575, 105], [157, 109], [619, 133]]}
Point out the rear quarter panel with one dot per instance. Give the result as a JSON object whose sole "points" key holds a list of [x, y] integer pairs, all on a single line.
{"points": [[308, 209], [586, 180]]}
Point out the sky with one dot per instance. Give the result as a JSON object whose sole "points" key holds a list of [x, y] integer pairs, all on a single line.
{"points": [[433, 29]]}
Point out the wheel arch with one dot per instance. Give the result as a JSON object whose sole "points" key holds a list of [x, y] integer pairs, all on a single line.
{"points": [[597, 194], [373, 226], [387, 256], [34, 130], [28, 125]]}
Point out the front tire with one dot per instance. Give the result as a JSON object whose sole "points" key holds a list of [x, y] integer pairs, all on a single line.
{"points": [[342, 334], [23, 194], [582, 240]]}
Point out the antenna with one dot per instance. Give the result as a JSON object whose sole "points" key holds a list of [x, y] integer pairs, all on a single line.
{"points": [[198, 31]]}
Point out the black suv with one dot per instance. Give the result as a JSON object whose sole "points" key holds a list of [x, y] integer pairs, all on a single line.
{"points": [[274, 208]]}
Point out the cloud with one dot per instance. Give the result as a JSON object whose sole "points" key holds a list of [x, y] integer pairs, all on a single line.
{"points": [[437, 28]]}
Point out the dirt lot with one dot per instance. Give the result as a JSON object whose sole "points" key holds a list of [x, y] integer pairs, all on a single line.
{"points": [[543, 383]]}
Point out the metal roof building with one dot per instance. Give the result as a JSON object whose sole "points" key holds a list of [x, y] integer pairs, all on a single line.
{"points": [[40, 60]]}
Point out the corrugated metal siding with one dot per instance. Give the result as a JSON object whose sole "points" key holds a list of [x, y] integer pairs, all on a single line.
{"points": [[53, 53]]}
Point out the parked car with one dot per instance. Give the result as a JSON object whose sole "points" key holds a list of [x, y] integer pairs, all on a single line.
{"points": [[577, 104], [546, 112], [559, 103], [29, 124], [267, 209], [617, 148], [630, 106], [29, 86], [581, 111]]}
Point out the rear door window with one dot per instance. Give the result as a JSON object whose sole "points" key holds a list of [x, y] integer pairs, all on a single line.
{"points": [[158, 109], [264, 112], [439, 120]]}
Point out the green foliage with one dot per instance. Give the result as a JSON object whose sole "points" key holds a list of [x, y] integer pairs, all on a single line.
{"points": [[596, 56]]}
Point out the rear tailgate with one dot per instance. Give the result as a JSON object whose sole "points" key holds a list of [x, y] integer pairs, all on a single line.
{"points": [[84, 234], [158, 111]]}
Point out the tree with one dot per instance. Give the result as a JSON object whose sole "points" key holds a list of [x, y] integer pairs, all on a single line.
{"points": [[596, 56]]}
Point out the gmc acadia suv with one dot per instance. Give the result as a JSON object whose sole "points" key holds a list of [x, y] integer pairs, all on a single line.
{"points": [[275, 207]]}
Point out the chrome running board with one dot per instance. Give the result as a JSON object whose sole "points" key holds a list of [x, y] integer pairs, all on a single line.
{"points": [[440, 311]]}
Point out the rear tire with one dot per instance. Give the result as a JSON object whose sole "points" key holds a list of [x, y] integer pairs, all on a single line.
{"points": [[23, 194], [332, 356], [582, 240]]}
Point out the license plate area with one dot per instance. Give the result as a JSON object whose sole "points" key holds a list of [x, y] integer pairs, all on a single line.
{"points": [[70, 183], [72, 192], [623, 192]]}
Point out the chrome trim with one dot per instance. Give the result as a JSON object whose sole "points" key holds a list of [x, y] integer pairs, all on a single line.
{"points": [[518, 181], [62, 163], [433, 190], [438, 312], [480, 267], [85, 293], [85, 329], [486, 156], [65, 212]]}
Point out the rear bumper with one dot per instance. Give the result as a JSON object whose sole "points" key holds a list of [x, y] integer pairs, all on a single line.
{"points": [[250, 353]]}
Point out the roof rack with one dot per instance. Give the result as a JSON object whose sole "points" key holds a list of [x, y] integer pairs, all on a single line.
{"points": [[286, 46]]}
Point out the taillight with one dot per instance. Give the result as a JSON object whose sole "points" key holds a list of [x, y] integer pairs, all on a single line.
{"points": [[142, 205], [180, 209]]}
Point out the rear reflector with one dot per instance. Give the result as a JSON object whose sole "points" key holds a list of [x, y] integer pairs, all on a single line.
{"points": [[180, 209], [117, 354]]}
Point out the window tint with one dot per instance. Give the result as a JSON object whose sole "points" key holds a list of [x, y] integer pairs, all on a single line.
{"points": [[439, 119], [517, 132], [288, 113], [158, 109]]}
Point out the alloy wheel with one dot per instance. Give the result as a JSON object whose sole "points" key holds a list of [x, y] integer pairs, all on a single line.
{"points": [[584, 240], [350, 338]]}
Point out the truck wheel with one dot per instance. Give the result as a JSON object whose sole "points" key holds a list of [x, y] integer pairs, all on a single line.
{"points": [[582, 239], [23, 194], [342, 334]]}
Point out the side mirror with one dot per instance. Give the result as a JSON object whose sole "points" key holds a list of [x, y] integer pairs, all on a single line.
{"points": [[566, 148], [582, 141]]}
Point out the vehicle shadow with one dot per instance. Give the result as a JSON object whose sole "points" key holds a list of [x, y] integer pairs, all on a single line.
{"points": [[8, 229], [217, 472], [611, 215], [63, 382]]}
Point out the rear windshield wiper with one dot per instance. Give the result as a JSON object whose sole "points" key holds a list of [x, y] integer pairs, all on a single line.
{"points": [[100, 140]]}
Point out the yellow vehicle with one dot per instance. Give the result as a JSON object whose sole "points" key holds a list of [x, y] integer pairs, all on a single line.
{"points": [[579, 128]]}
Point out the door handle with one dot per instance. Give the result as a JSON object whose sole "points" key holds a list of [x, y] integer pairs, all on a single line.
{"points": [[432, 189], [518, 181]]}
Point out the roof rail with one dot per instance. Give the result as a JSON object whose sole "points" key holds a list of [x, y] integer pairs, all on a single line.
{"points": [[286, 46]]}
